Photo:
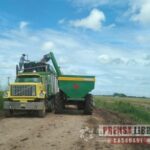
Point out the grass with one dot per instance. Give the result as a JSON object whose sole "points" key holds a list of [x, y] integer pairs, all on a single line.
{"points": [[1, 100], [136, 108]]}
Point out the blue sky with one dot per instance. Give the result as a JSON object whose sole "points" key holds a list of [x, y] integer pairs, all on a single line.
{"points": [[106, 38]]}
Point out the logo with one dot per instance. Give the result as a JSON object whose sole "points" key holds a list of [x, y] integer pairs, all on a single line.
{"points": [[86, 134], [75, 86], [118, 134]]}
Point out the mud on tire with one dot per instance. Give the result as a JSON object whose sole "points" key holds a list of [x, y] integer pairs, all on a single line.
{"points": [[59, 104], [8, 113], [42, 113], [50, 104], [88, 104], [80, 106]]}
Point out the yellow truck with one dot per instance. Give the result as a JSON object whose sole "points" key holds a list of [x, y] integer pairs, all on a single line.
{"points": [[33, 90]]}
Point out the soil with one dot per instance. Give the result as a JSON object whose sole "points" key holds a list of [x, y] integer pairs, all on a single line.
{"points": [[60, 132]]}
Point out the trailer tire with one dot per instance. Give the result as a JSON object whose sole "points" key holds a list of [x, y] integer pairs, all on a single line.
{"points": [[58, 103], [80, 106], [88, 104]]}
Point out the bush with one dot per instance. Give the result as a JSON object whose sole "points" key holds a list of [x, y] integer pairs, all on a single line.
{"points": [[119, 95]]}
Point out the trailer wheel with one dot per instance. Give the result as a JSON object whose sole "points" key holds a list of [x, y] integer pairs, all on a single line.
{"points": [[80, 106], [8, 113], [58, 103], [88, 109]]}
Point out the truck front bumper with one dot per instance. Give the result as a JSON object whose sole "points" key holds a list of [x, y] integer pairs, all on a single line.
{"points": [[23, 106]]}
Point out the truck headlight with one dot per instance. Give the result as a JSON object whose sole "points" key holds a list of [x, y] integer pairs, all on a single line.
{"points": [[42, 94]]}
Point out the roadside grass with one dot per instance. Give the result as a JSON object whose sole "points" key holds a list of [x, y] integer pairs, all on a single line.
{"points": [[136, 109], [1, 100]]}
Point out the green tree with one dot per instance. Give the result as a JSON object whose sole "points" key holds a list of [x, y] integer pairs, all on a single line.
{"points": [[119, 95]]}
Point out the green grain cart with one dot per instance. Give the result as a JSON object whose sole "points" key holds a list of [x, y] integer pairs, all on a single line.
{"points": [[73, 89]]}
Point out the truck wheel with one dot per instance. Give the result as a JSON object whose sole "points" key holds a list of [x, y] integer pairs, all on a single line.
{"points": [[8, 113], [50, 104], [58, 103], [42, 113], [88, 108]]}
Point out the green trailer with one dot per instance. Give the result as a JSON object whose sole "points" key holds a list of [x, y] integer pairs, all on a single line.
{"points": [[73, 89], [76, 87]]}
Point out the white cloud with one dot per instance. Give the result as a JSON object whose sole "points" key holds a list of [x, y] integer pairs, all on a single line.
{"points": [[93, 21], [104, 59], [142, 39], [113, 66], [116, 60], [146, 57], [47, 46], [62, 21], [132, 62], [95, 3], [140, 10], [23, 24]]}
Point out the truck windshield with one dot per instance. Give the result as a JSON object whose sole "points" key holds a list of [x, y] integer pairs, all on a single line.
{"points": [[28, 79]]}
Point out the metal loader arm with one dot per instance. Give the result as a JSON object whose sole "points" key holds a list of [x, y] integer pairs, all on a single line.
{"points": [[51, 56]]}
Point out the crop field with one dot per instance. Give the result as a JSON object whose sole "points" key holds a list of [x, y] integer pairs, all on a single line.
{"points": [[137, 109]]}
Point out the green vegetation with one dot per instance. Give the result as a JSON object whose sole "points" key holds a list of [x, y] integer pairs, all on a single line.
{"points": [[1, 100], [136, 108], [119, 95]]}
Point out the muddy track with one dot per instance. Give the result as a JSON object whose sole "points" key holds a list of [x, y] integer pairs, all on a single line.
{"points": [[58, 132]]}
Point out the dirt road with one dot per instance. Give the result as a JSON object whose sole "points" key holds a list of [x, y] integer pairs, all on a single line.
{"points": [[54, 132]]}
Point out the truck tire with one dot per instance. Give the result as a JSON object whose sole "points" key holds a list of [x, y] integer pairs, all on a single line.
{"points": [[58, 103], [88, 108], [8, 113], [50, 104], [42, 113]]}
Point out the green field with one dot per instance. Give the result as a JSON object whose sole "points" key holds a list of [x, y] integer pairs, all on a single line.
{"points": [[136, 109]]}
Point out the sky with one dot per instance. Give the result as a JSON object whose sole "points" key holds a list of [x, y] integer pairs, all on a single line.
{"points": [[106, 38]]}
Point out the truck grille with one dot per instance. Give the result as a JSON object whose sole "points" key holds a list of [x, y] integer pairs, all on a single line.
{"points": [[23, 90]]}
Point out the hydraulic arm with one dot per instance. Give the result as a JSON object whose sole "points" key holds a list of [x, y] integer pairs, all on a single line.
{"points": [[51, 56]]}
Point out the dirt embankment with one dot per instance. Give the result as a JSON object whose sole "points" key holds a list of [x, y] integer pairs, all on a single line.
{"points": [[59, 132], [105, 117]]}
